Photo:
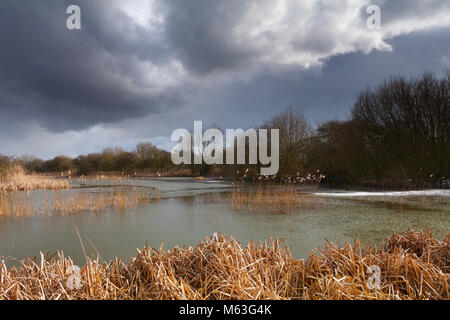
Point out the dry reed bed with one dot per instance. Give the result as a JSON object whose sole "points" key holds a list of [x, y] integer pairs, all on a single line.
{"points": [[94, 202], [270, 199], [29, 183], [219, 268], [63, 203], [423, 244], [15, 179]]}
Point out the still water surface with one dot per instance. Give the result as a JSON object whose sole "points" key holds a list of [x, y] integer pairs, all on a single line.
{"points": [[182, 216]]}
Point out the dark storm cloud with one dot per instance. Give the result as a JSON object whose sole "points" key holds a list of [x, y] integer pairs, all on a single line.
{"points": [[199, 32], [235, 61], [73, 79]]}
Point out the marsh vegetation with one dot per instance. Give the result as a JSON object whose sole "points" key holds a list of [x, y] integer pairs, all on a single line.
{"points": [[14, 178], [414, 265]]}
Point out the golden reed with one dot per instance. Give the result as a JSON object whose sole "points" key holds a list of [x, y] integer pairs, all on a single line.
{"points": [[414, 265], [270, 198], [15, 179], [71, 201]]}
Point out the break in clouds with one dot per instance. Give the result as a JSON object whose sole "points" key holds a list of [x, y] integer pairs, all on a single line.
{"points": [[139, 69]]}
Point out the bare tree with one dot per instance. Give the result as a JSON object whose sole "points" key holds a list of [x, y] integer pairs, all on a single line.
{"points": [[408, 124], [294, 132]]}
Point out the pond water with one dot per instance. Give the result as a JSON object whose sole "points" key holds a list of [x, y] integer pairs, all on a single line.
{"points": [[186, 211]]}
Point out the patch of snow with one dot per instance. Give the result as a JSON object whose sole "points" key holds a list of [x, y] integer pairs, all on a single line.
{"points": [[433, 193]]}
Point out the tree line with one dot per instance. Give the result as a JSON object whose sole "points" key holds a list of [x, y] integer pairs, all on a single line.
{"points": [[117, 160], [397, 134]]}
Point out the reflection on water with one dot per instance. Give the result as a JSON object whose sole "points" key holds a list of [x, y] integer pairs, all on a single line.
{"points": [[189, 210]]}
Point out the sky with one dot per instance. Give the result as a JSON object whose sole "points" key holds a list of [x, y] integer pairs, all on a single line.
{"points": [[139, 69]]}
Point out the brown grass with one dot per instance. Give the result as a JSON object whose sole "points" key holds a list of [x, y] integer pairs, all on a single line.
{"points": [[15, 179], [267, 198], [423, 245], [63, 203], [219, 268]]}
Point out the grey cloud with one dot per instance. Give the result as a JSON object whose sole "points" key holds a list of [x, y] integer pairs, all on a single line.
{"points": [[74, 79], [200, 33], [211, 36], [332, 92], [401, 9]]}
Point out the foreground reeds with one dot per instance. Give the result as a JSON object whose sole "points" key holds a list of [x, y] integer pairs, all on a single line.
{"points": [[413, 266]]}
